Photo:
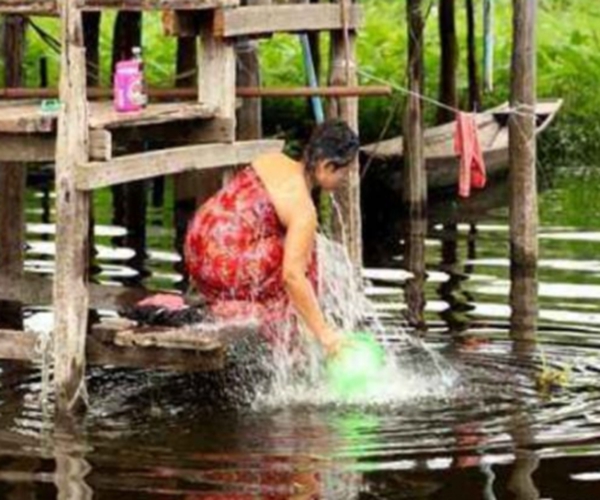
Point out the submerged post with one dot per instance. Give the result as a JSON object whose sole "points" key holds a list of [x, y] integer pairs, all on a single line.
{"points": [[523, 186], [72, 216], [415, 177]]}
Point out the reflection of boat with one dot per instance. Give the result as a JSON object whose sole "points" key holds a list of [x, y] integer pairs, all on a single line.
{"points": [[441, 161]]}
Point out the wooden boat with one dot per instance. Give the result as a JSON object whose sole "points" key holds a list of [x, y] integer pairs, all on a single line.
{"points": [[441, 161]]}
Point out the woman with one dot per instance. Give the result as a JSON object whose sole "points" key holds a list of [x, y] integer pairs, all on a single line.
{"points": [[250, 250]]}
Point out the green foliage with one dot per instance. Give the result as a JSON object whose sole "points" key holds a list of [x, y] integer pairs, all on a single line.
{"points": [[568, 67]]}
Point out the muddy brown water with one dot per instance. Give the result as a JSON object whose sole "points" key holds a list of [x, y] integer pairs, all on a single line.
{"points": [[495, 435]]}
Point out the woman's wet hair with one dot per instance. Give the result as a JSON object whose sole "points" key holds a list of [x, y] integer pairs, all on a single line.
{"points": [[333, 141]]}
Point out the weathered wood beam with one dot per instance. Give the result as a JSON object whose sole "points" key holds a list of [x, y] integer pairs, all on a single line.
{"points": [[18, 345], [28, 148], [36, 290], [263, 19], [72, 217], [523, 205], [30, 7], [128, 168], [141, 5]]}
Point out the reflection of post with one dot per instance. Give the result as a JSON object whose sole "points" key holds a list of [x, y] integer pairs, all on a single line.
{"points": [[520, 481], [71, 465], [414, 261], [523, 198]]}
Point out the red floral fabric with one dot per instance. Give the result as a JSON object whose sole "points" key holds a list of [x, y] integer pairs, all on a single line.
{"points": [[234, 254]]}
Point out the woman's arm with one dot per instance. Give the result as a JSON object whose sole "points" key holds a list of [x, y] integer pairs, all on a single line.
{"points": [[299, 242]]}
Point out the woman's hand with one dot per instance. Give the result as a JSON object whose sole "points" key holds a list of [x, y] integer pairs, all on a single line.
{"points": [[331, 341]]}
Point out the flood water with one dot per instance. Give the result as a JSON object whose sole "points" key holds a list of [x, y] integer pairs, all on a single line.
{"points": [[493, 434]]}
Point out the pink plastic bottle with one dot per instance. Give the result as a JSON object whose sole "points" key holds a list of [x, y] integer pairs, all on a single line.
{"points": [[127, 86]]}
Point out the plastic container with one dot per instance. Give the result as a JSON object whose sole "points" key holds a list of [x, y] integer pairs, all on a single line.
{"points": [[128, 86], [356, 370]]}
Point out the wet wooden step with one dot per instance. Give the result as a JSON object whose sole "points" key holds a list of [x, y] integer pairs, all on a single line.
{"points": [[118, 342]]}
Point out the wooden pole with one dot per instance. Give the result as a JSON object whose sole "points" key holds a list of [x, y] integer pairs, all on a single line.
{"points": [[13, 178], [474, 91], [415, 177], [130, 199], [72, 212], [343, 72], [216, 76], [415, 180], [522, 163], [192, 92], [449, 58]]}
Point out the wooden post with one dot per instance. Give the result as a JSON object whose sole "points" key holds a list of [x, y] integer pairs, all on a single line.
{"points": [[130, 199], [343, 72], [249, 115], [474, 92], [415, 178], [449, 57], [522, 162], [216, 75], [13, 178], [72, 212]]}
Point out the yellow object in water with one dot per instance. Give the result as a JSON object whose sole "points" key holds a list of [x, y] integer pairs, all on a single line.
{"points": [[356, 369]]}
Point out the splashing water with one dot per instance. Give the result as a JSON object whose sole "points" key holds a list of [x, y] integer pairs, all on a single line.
{"points": [[411, 371]]}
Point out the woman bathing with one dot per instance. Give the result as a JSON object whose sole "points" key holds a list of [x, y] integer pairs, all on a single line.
{"points": [[250, 249]]}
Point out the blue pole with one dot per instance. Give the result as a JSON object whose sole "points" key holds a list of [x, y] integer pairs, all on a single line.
{"points": [[309, 67]]}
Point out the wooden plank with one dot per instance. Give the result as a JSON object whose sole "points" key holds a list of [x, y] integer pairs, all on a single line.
{"points": [[263, 19], [28, 7], [21, 345], [30, 148], [26, 118], [142, 5], [204, 337], [72, 217], [103, 115], [33, 289], [128, 168], [18, 345]]}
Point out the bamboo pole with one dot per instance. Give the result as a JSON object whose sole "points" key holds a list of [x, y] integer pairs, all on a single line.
{"points": [[343, 73], [12, 180], [72, 212], [522, 164]]}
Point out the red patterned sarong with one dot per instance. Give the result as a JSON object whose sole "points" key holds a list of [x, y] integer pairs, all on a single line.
{"points": [[234, 255]]}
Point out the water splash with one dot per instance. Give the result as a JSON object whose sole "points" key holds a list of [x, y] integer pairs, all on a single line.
{"points": [[412, 369]]}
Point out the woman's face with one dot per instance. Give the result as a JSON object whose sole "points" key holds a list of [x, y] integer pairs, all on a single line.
{"points": [[328, 177]]}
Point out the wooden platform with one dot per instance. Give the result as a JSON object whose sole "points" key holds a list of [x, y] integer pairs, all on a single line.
{"points": [[50, 7], [26, 117], [119, 343]]}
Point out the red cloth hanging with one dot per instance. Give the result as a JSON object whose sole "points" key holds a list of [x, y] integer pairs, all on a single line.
{"points": [[466, 145]]}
